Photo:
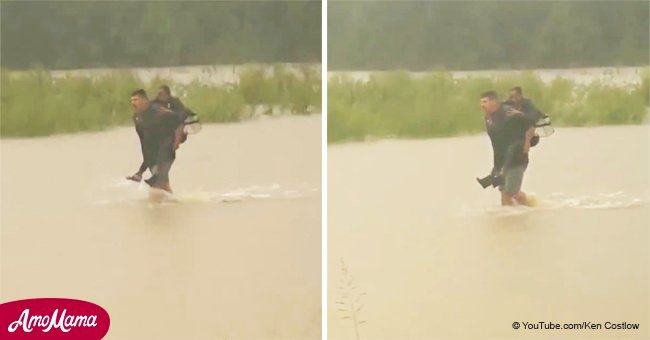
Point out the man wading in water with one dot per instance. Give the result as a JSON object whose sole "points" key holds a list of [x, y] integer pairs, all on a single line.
{"points": [[157, 128], [510, 133]]}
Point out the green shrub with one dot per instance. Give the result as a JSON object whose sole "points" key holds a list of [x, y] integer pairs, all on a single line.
{"points": [[34, 103], [398, 104]]}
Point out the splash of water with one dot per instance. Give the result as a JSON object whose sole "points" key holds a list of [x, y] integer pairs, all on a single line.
{"points": [[558, 201], [123, 191]]}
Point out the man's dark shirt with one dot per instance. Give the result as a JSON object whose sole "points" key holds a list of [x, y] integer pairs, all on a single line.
{"points": [[531, 113], [156, 132], [173, 104], [507, 134]]}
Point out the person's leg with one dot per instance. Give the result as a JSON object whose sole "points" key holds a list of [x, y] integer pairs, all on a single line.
{"points": [[506, 199], [166, 156], [162, 178], [511, 188], [512, 154], [521, 198], [514, 180]]}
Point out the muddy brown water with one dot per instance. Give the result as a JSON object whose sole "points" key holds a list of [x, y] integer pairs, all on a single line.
{"points": [[238, 256], [423, 252]]}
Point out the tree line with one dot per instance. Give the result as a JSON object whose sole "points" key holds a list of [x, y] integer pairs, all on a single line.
{"points": [[461, 35], [65, 35]]}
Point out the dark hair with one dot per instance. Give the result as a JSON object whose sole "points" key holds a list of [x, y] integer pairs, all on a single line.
{"points": [[517, 90], [140, 93], [491, 95], [165, 88]]}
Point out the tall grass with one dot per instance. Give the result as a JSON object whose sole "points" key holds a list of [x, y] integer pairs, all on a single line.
{"points": [[36, 104], [350, 304], [396, 104]]}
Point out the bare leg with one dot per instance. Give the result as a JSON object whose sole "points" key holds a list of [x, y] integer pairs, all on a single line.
{"points": [[166, 157], [165, 186], [506, 199], [521, 198], [163, 177]]}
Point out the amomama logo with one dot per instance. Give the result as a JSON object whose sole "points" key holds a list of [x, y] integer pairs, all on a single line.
{"points": [[52, 319]]}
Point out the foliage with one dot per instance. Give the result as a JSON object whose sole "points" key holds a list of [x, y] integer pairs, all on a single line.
{"points": [[64, 35], [465, 35], [36, 104], [396, 104]]}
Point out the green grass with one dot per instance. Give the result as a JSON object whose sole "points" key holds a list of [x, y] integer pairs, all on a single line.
{"points": [[35, 104], [396, 104]]}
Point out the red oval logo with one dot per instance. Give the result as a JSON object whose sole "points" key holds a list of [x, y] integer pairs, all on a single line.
{"points": [[53, 318]]}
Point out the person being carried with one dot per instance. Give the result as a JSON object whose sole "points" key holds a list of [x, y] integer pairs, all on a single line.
{"points": [[536, 117], [525, 105], [190, 119], [156, 127], [510, 133]]}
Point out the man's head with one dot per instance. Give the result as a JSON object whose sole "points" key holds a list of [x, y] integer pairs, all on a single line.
{"points": [[489, 101], [139, 100], [164, 94], [516, 95]]}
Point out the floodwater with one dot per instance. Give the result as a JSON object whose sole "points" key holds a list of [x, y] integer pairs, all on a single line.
{"points": [[419, 250], [238, 255], [618, 76], [204, 74]]}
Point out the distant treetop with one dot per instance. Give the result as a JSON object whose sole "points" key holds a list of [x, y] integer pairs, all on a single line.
{"points": [[464, 35], [63, 35]]}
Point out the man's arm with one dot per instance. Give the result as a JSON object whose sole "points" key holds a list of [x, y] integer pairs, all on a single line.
{"points": [[176, 105], [171, 116]]}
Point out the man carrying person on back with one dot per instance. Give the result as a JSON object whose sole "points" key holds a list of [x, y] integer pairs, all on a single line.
{"points": [[156, 127], [510, 133]]}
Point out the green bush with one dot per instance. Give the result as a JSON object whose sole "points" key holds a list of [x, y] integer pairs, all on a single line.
{"points": [[294, 90], [397, 104], [36, 104]]}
